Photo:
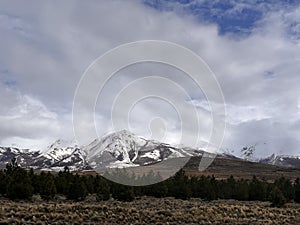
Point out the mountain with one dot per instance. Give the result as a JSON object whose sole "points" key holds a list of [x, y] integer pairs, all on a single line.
{"points": [[119, 149], [64, 153], [55, 157], [124, 149], [59, 150], [282, 160], [222, 168], [24, 157]]}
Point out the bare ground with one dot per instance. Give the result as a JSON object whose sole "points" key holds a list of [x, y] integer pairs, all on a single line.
{"points": [[147, 211]]}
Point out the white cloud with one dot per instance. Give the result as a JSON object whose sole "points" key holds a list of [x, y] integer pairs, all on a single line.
{"points": [[27, 122], [46, 48]]}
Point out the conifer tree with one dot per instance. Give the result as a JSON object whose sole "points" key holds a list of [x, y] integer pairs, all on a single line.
{"points": [[123, 192], [18, 182], [47, 186], [241, 190], [297, 190], [77, 189], [286, 188], [3, 183], [102, 189], [277, 198], [63, 181], [179, 187], [257, 190]]}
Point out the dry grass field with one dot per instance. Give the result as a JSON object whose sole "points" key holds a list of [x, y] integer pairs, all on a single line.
{"points": [[147, 211]]}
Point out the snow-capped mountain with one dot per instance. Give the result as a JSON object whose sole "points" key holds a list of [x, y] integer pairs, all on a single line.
{"points": [[124, 149], [24, 157], [282, 160], [58, 155], [120, 149], [60, 149]]}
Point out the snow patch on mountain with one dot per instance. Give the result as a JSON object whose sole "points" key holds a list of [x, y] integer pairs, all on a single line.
{"points": [[59, 150], [115, 150], [282, 160], [153, 155]]}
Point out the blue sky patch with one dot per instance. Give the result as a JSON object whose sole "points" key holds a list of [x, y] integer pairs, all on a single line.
{"points": [[231, 16]]}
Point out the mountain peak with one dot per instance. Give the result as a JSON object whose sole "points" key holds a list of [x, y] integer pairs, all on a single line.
{"points": [[282, 160], [60, 149], [61, 143], [119, 149], [121, 133]]}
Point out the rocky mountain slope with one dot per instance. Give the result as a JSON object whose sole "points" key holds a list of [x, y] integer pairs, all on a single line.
{"points": [[124, 149], [120, 149], [282, 160]]}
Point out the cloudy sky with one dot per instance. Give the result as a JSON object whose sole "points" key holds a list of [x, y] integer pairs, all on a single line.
{"points": [[253, 48]]}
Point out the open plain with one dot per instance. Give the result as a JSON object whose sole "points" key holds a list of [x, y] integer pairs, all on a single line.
{"points": [[147, 210]]}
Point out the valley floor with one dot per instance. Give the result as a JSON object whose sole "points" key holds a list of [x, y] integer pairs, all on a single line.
{"points": [[147, 211]]}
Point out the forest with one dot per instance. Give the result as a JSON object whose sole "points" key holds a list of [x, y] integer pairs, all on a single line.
{"points": [[16, 183]]}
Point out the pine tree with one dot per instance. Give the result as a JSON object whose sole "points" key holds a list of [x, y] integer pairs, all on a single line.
{"points": [[102, 189], [179, 186], [77, 189], [203, 187], [286, 188], [297, 190], [63, 181], [229, 188], [241, 190], [47, 186], [18, 182], [3, 183], [257, 190], [277, 198], [123, 192], [89, 183], [158, 190]]}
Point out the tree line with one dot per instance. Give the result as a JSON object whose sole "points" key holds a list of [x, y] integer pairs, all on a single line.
{"points": [[18, 183]]}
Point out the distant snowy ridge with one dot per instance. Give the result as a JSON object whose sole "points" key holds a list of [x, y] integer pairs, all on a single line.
{"points": [[120, 149], [116, 150], [282, 160]]}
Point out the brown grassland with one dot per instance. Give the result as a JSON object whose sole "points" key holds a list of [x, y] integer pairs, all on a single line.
{"points": [[147, 211]]}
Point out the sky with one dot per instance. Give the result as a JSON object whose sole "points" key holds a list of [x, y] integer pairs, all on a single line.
{"points": [[253, 48]]}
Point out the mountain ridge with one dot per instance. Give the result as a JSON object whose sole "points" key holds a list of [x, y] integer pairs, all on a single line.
{"points": [[116, 150]]}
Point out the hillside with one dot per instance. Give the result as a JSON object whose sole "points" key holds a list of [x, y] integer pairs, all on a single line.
{"points": [[223, 168], [124, 149]]}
